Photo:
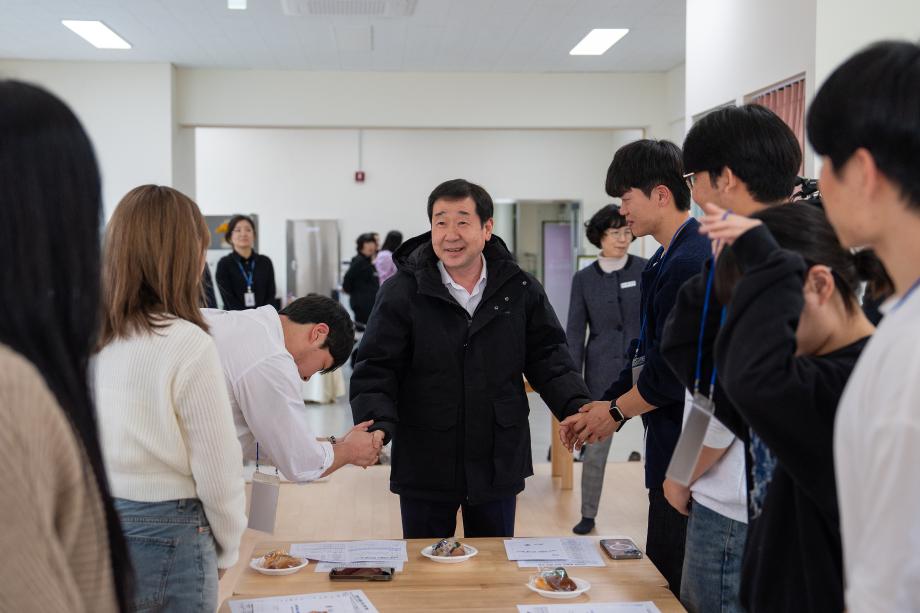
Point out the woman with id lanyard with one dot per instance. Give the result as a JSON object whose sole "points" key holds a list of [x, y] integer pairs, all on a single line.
{"points": [[246, 279]]}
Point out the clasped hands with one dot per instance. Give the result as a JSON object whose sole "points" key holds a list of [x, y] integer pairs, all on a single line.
{"points": [[365, 446], [591, 424]]}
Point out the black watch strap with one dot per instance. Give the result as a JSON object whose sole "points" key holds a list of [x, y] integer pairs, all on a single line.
{"points": [[617, 414]]}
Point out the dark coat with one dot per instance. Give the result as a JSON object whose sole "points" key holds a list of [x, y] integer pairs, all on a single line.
{"points": [[448, 388], [232, 284], [361, 285], [783, 407], [607, 305]]}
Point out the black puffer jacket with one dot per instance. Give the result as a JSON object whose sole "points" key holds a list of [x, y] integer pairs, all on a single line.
{"points": [[448, 388]]}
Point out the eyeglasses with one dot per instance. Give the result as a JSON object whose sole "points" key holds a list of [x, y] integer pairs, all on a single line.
{"points": [[620, 233], [690, 178]]}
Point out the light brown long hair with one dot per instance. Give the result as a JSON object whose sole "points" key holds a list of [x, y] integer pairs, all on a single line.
{"points": [[152, 263]]}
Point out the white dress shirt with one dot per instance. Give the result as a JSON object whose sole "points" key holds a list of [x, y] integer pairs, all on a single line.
{"points": [[265, 393], [468, 300]]}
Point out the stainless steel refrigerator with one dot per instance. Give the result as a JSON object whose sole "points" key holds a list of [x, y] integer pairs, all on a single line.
{"points": [[313, 256]]}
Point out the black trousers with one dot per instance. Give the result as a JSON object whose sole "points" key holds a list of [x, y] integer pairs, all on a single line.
{"points": [[433, 519], [666, 538]]}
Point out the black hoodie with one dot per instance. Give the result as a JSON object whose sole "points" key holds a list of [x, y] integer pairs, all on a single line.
{"points": [[448, 388]]}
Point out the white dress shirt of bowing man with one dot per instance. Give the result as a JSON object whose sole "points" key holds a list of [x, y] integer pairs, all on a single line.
{"points": [[265, 355]]}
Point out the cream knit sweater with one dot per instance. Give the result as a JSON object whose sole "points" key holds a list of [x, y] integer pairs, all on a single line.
{"points": [[167, 430], [52, 527]]}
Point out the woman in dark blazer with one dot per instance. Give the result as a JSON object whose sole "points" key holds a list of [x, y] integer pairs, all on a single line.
{"points": [[245, 279], [605, 305]]}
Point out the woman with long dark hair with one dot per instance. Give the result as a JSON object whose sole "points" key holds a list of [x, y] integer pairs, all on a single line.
{"points": [[63, 544], [384, 263], [791, 335]]}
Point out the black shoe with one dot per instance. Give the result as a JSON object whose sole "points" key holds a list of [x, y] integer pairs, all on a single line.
{"points": [[585, 526]]}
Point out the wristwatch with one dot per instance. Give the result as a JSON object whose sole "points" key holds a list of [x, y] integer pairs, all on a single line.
{"points": [[332, 439], [617, 414]]}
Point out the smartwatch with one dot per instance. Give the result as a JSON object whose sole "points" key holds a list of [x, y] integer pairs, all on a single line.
{"points": [[617, 416]]}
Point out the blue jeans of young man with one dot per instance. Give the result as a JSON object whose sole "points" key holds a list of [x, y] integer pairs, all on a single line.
{"points": [[173, 553], [712, 562]]}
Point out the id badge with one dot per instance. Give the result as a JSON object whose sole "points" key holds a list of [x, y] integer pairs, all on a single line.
{"points": [[249, 299], [263, 507], [637, 365], [690, 444]]}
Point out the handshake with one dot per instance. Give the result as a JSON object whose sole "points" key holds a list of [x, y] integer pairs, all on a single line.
{"points": [[591, 424], [360, 447]]}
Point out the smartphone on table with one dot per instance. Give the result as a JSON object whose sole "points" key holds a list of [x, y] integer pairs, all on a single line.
{"points": [[621, 549], [345, 573]]}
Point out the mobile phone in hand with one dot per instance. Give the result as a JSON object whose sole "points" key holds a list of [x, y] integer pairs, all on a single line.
{"points": [[621, 549]]}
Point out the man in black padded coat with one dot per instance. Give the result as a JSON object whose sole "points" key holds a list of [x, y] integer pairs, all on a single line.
{"points": [[440, 370]]}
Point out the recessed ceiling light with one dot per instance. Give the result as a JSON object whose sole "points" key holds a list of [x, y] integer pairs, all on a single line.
{"points": [[236, 5], [598, 41], [97, 34]]}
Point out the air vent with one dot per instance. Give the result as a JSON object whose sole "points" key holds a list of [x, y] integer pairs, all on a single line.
{"points": [[348, 8]]}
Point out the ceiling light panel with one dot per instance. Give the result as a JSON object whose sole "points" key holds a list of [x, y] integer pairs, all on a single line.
{"points": [[598, 41], [97, 34]]}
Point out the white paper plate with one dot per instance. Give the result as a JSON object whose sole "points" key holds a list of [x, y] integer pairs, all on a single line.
{"points": [[256, 565], [582, 585], [470, 552]]}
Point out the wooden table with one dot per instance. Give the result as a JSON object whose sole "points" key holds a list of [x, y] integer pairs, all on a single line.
{"points": [[487, 582]]}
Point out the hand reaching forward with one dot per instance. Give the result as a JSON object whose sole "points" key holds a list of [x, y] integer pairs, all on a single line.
{"points": [[363, 447], [593, 423], [723, 227]]}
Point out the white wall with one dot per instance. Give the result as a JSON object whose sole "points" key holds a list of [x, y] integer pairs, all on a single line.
{"points": [[399, 100], [676, 97], [737, 48], [301, 174], [125, 108], [845, 26]]}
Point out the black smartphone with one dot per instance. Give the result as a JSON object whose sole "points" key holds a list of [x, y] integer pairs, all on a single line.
{"points": [[345, 573], [621, 549]]}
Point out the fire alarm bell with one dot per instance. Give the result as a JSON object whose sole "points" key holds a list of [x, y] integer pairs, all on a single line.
{"points": [[359, 176]]}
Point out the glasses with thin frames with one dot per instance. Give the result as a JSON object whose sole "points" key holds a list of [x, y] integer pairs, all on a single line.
{"points": [[620, 233]]}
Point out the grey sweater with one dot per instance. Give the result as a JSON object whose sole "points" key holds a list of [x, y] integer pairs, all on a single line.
{"points": [[606, 305]]}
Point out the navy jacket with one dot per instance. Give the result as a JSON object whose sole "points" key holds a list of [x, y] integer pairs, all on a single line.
{"points": [[449, 388], [658, 385]]}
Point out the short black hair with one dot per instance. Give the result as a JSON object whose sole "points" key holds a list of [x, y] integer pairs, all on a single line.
{"points": [[872, 101], [606, 218], [316, 309], [367, 237], [754, 142], [646, 164], [458, 189], [235, 220]]}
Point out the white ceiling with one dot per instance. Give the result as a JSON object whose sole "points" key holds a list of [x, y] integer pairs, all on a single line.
{"points": [[441, 35]]}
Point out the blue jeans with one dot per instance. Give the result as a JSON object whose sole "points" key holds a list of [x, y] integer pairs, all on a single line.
{"points": [[173, 553], [712, 562]]}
